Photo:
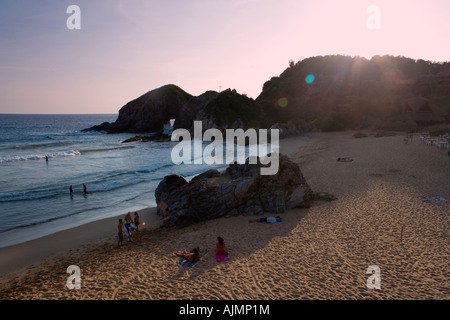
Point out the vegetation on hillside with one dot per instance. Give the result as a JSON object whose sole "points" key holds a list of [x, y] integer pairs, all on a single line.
{"points": [[344, 92]]}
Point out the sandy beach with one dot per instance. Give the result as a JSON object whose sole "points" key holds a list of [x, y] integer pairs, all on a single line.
{"points": [[321, 252]]}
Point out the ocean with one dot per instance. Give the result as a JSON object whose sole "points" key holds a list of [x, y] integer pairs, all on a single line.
{"points": [[34, 193]]}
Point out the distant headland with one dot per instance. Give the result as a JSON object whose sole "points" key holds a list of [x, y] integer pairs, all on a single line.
{"points": [[325, 93]]}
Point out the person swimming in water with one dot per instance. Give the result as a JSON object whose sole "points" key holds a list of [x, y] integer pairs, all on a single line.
{"points": [[85, 189]]}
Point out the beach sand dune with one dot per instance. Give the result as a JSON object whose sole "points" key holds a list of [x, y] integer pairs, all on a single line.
{"points": [[322, 252]]}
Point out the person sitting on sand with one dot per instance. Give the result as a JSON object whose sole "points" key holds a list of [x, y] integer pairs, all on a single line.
{"points": [[267, 220], [192, 256], [120, 233], [220, 246], [346, 159]]}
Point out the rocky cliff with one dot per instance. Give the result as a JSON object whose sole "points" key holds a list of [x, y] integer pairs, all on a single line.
{"points": [[328, 93], [149, 112]]}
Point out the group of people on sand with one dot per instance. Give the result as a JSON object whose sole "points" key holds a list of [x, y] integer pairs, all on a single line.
{"points": [[194, 254], [128, 220], [221, 248]]}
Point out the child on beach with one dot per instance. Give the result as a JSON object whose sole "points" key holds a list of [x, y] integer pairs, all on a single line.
{"points": [[120, 233]]}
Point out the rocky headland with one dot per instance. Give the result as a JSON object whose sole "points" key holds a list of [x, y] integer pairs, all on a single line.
{"points": [[315, 94]]}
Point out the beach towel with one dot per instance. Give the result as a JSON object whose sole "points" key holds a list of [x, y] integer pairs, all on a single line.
{"points": [[186, 263], [271, 223], [221, 257], [424, 199], [439, 198]]}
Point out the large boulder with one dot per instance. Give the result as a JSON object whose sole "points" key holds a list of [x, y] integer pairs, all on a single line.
{"points": [[240, 190]]}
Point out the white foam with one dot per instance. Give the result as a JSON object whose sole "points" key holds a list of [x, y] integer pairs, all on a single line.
{"points": [[71, 153]]}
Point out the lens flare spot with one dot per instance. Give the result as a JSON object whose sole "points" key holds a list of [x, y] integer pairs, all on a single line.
{"points": [[283, 102], [310, 78]]}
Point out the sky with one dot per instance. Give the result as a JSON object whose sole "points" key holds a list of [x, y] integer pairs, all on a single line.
{"points": [[125, 48]]}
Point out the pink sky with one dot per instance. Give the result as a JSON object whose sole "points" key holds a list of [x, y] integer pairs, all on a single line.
{"points": [[126, 48]]}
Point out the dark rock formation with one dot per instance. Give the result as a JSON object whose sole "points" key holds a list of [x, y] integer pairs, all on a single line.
{"points": [[240, 190], [231, 110], [149, 112], [410, 92], [337, 98], [157, 137]]}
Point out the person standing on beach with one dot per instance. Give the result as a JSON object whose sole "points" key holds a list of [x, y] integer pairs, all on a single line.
{"points": [[136, 219], [167, 217], [129, 227], [120, 233], [128, 218], [136, 222]]}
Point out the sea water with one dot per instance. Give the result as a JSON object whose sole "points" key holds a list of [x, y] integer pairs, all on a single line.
{"points": [[34, 193]]}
